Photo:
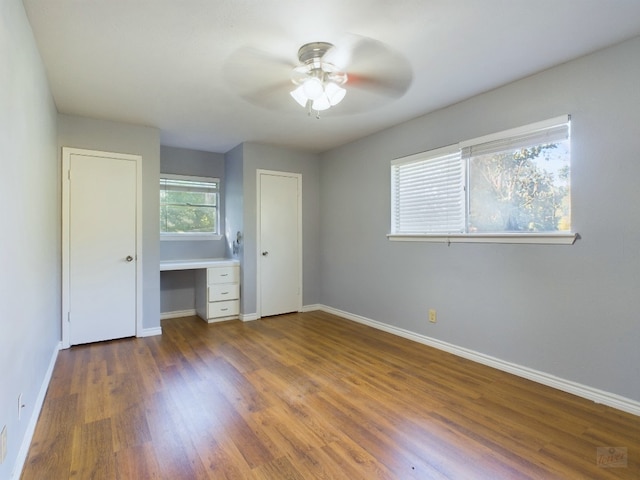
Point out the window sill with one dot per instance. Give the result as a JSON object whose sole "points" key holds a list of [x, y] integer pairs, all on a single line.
{"points": [[188, 236], [525, 238]]}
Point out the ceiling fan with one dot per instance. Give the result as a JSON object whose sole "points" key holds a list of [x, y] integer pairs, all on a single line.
{"points": [[319, 82], [354, 75]]}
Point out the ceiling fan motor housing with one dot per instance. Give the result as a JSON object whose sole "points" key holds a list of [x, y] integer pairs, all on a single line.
{"points": [[311, 55], [310, 52]]}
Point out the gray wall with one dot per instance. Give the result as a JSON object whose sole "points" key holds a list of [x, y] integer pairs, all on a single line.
{"points": [[30, 246], [182, 161], [234, 201], [571, 311], [82, 132], [177, 288], [255, 156]]}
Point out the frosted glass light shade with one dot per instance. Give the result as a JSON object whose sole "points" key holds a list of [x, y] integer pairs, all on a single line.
{"points": [[334, 92], [321, 103], [299, 96], [318, 94], [313, 88]]}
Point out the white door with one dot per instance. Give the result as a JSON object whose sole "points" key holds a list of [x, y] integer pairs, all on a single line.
{"points": [[280, 245], [101, 229]]}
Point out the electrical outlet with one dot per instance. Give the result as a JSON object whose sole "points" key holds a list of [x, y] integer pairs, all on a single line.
{"points": [[433, 317], [3, 444]]}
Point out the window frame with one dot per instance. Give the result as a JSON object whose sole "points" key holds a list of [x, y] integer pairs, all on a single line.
{"points": [[193, 236], [557, 237]]}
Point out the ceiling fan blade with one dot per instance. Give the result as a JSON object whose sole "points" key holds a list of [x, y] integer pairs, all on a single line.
{"points": [[371, 65], [257, 75], [387, 85], [273, 97], [341, 54]]}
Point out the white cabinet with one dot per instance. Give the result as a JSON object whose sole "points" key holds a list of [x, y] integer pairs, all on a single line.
{"points": [[218, 293]]}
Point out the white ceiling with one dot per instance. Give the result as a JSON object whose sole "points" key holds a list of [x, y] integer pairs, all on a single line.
{"points": [[164, 63]]}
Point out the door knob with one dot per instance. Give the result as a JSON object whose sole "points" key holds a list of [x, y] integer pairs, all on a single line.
{"points": [[129, 258], [264, 254]]}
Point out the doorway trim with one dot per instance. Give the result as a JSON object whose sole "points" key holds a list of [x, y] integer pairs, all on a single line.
{"points": [[298, 177], [66, 161]]}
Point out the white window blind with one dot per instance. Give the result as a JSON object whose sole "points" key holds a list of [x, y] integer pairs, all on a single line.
{"points": [[507, 184], [545, 135], [428, 193], [181, 183]]}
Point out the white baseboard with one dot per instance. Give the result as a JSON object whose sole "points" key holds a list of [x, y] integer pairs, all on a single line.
{"points": [[311, 308], [306, 308], [178, 314], [37, 407], [151, 332], [598, 396]]}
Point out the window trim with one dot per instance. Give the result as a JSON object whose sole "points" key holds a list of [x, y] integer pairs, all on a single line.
{"points": [[192, 236], [547, 238], [517, 238]]}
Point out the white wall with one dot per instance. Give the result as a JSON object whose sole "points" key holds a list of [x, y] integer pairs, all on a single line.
{"points": [[30, 288], [569, 311], [82, 132]]}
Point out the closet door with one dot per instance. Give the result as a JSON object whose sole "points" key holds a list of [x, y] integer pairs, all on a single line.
{"points": [[101, 246], [280, 243]]}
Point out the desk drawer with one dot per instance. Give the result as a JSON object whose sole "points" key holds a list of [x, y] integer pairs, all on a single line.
{"points": [[224, 291], [224, 309], [223, 275]]}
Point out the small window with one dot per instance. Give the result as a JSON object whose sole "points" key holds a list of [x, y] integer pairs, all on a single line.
{"points": [[189, 207], [514, 183]]}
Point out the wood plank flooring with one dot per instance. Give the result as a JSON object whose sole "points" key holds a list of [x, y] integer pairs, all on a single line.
{"points": [[309, 396]]}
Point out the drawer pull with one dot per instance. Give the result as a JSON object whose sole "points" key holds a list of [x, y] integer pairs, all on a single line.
{"points": [[224, 309], [224, 293], [224, 274]]}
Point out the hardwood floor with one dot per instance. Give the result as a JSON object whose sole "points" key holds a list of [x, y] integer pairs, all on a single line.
{"points": [[309, 396]]}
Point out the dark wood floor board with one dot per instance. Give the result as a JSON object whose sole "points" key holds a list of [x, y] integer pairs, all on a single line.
{"points": [[363, 432], [146, 371], [526, 395], [503, 447], [238, 388], [294, 409], [93, 458], [80, 357], [525, 422], [356, 463], [137, 462], [174, 450], [309, 396], [236, 357], [130, 427], [568, 465], [50, 451], [61, 384]]}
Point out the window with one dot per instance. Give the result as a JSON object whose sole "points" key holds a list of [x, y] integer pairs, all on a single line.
{"points": [[189, 207], [512, 186]]}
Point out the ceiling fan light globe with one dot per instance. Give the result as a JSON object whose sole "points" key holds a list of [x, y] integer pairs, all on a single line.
{"points": [[299, 96], [321, 103], [335, 93], [313, 88]]}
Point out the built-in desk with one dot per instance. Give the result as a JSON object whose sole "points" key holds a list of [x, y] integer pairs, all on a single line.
{"points": [[194, 264], [217, 289]]}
